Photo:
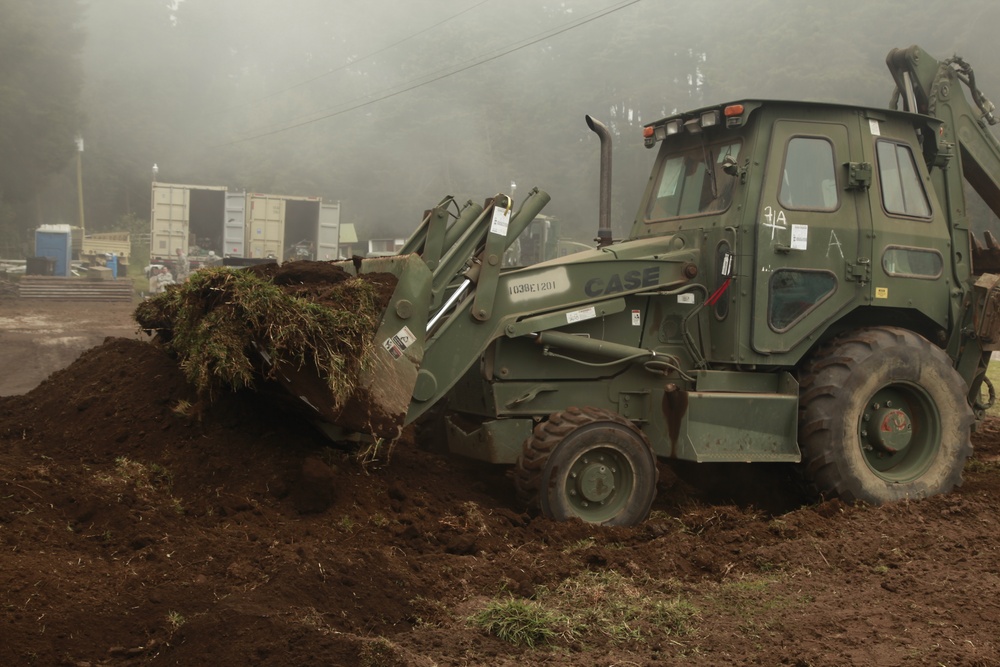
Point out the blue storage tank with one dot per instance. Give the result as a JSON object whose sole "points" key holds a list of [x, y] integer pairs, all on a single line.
{"points": [[55, 241]]}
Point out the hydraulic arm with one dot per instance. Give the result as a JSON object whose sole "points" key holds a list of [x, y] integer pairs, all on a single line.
{"points": [[931, 87]]}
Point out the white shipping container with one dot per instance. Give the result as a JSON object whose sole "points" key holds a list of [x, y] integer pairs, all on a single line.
{"points": [[328, 233], [265, 226], [235, 232], [240, 224], [183, 216]]}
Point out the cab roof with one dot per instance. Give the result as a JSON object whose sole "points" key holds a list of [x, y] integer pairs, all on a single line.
{"points": [[737, 113]]}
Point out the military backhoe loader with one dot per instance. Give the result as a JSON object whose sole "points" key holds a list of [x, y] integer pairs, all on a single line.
{"points": [[801, 284]]}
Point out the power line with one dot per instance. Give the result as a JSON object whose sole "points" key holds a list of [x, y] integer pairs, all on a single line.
{"points": [[424, 81], [353, 62], [444, 73]]}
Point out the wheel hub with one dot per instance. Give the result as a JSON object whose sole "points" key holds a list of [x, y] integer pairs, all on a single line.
{"points": [[889, 430], [593, 479]]}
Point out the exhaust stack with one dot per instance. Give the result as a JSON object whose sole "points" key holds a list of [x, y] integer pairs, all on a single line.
{"points": [[604, 217]]}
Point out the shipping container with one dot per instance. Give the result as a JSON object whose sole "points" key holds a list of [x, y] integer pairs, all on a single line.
{"points": [[235, 228], [328, 232], [285, 227], [265, 226], [185, 217], [198, 219]]}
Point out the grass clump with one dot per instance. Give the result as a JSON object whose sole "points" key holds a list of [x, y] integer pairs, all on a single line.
{"points": [[379, 652], [175, 620], [620, 607], [519, 622], [144, 478], [223, 322], [593, 606]]}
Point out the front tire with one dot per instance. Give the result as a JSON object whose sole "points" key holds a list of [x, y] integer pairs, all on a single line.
{"points": [[883, 417], [588, 464]]}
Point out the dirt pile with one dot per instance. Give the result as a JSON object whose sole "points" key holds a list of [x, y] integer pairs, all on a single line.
{"points": [[138, 528]]}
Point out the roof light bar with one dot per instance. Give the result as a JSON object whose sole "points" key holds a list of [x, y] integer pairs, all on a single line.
{"points": [[709, 119], [732, 115]]}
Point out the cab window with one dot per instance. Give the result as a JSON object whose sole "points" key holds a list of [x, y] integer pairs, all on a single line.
{"points": [[794, 292], [902, 192], [692, 182], [809, 177], [912, 262]]}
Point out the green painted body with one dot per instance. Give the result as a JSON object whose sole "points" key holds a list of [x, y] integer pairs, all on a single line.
{"points": [[760, 236]]}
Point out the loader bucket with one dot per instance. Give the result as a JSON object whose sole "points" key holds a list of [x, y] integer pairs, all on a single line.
{"points": [[381, 398]]}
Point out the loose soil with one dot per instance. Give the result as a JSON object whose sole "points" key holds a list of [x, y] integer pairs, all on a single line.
{"points": [[138, 527]]}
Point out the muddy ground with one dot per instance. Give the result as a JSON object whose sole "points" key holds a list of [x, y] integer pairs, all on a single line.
{"points": [[137, 528], [38, 338]]}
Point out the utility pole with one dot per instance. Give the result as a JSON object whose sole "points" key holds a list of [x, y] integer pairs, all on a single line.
{"points": [[79, 180]]}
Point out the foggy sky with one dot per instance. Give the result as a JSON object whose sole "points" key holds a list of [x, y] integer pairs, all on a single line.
{"points": [[284, 97]]}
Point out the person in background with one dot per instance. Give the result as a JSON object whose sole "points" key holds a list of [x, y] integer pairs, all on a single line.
{"points": [[183, 267], [213, 259], [154, 281], [158, 283]]}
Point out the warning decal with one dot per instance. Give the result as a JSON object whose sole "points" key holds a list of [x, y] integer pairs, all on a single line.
{"points": [[396, 345]]}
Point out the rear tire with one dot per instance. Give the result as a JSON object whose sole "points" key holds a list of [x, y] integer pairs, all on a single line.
{"points": [[588, 464], [883, 417]]}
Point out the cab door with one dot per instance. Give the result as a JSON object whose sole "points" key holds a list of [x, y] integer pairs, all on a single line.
{"points": [[912, 254], [808, 232]]}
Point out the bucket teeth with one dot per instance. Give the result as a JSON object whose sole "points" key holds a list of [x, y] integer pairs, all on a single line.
{"points": [[986, 259]]}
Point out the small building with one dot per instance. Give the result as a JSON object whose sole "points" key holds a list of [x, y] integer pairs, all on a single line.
{"points": [[55, 243]]}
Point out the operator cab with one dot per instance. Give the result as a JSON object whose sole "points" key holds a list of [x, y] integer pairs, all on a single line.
{"points": [[826, 210]]}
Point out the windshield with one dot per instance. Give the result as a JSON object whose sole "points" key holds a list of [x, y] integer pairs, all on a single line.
{"points": [[692, 182]]}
